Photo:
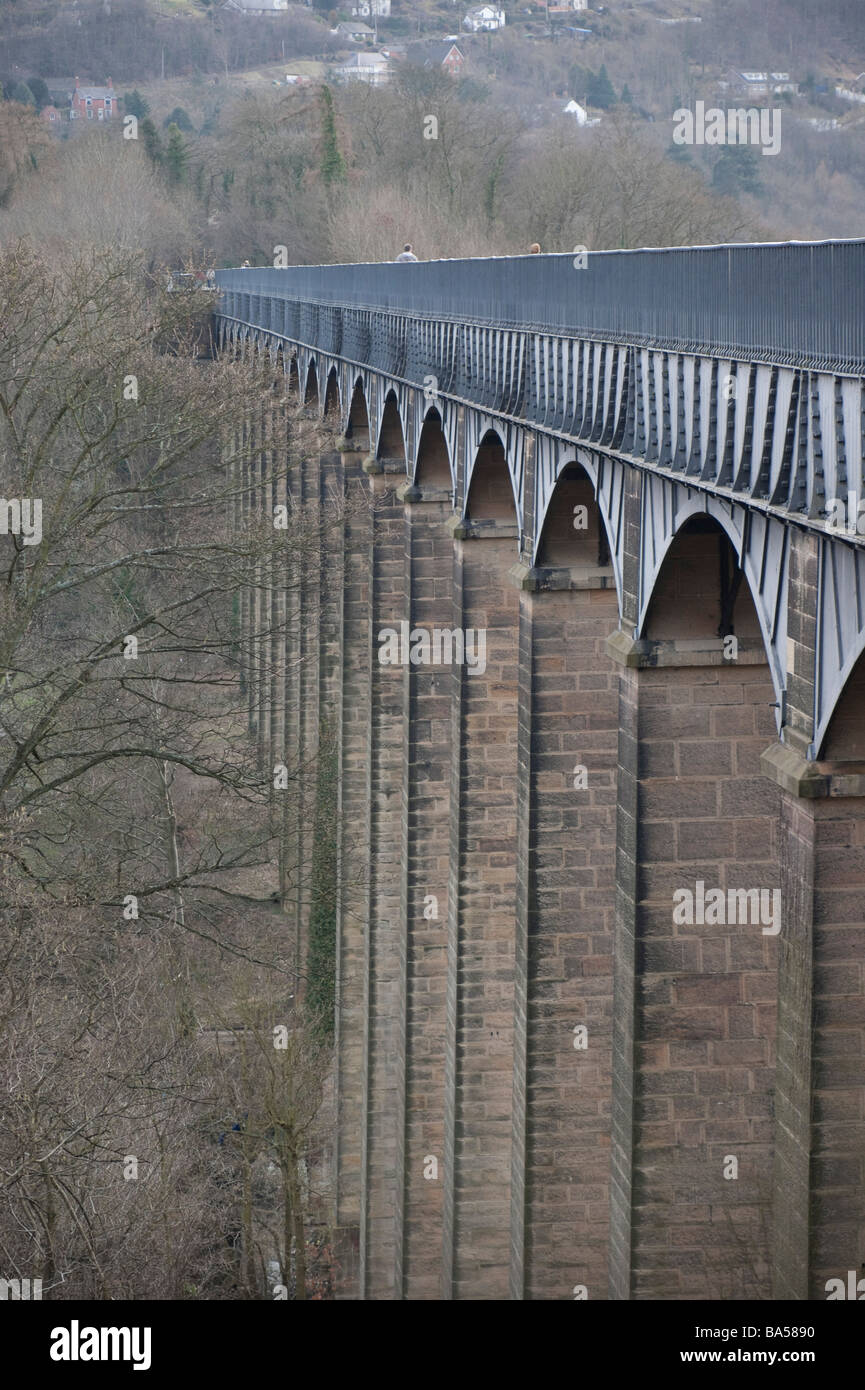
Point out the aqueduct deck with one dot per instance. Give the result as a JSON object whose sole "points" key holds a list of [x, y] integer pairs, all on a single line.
{"points": [[640, 474]]}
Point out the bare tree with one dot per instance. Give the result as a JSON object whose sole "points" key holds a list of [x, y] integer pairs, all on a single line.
{"points": [[138, 839], [119, 643]]}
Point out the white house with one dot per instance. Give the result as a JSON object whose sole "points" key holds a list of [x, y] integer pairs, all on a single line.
{"points": [[484, 17], [580, 114], [364, 67], [752, 84], [365, 9], [257, 6], [760, 84]]}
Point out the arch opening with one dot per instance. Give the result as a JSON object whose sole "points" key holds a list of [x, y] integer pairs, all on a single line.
{"points": [[331, 395], [293, 379], [573, 533], [433, 467], [278, 369], [702, 590], [844, 740], [357, 429], [491, 495], [391, 441], [310, 395]]}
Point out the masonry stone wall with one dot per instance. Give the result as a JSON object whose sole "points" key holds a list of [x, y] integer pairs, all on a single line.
{"points": [[481, 922], [385, 944], [353, 857], [546, 1086], [837, 1177], [569, 723], [706, 994], [429, 587]]}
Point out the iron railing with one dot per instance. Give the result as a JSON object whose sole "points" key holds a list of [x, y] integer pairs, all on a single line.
{"points": [[796, 303]]}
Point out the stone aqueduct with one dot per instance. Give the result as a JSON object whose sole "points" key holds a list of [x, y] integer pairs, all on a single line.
{"points": [[511, 839]]}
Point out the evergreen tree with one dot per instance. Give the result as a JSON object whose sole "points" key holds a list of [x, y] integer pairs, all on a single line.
{"points": [[680, 153], [176, 156], [21, 92], [332, 164], [626, 98], [39, 88], [152, 142], [578, 81], [599, 89], [135, 105], [180, 118], [737, 170]]}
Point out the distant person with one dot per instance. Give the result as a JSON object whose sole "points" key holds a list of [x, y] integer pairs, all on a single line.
{"points": [[535, 249], [407, 254], [245, 266]]}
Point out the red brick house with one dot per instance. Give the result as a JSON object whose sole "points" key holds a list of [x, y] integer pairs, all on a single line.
{"points": [[454, 60], [431, 55], [93, 103]]}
